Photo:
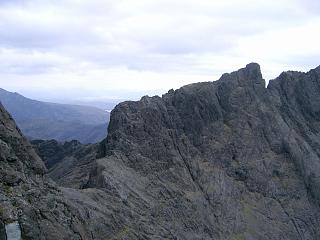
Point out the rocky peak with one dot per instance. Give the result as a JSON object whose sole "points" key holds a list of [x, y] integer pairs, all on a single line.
{"points": [[250, 76], [228, 159]]}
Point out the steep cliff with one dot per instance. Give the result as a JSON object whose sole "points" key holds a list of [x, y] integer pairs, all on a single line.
{"points": [[229, 159]]}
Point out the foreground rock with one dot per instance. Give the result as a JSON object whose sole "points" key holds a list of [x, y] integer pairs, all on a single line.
{"points": [[32, 206]]}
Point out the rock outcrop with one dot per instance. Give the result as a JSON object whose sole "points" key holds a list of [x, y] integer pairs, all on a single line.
{"points": [[229, 159], [28, 201]]}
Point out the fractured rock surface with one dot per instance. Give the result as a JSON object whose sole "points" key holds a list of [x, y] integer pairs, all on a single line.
{"points": [[229, 159]]}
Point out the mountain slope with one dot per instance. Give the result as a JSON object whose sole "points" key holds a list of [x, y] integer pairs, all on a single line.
{"points": [[32, 207], [42, 120], [229, 159], [26, 193], [35, 208]]}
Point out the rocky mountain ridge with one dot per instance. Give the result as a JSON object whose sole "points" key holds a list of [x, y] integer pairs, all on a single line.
{"points": [[229, 159]]}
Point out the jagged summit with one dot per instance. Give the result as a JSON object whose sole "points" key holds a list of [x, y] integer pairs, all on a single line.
{"points": [[248, 77], [230, 159], [250, 71], [253, 66]]}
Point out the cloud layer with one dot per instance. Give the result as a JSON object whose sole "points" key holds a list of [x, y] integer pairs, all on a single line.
{"points": [[87, 49]]}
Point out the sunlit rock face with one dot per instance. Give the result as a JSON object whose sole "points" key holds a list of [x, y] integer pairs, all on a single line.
{"points": [[230, 159]]}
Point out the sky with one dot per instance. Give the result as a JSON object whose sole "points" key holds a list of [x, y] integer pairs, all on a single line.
{"points": [[99, 50]]}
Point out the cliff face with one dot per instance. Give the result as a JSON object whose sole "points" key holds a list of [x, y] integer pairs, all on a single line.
{"points": [[229, 159]]}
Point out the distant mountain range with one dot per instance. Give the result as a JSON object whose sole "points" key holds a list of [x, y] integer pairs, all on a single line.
{"points": [[62, 122]]}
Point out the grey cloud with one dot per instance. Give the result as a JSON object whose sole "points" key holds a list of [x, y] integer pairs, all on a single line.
{"points": [[77, 28], [17, 34]]}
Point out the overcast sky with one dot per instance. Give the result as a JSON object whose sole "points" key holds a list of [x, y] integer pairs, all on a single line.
{"points": [[91, 49]]}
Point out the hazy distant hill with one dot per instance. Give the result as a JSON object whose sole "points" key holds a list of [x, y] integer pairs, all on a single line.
{"points": [[105, 105], [44, 120]]}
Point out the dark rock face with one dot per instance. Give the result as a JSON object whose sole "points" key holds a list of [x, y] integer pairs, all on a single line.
{"points": [[69, 164], [17, 155], [229, 159], [52, 152], [298, 101]]}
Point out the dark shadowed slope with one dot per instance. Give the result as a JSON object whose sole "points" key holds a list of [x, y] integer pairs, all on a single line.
{"points": [[43, 120], [69, 163]]}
